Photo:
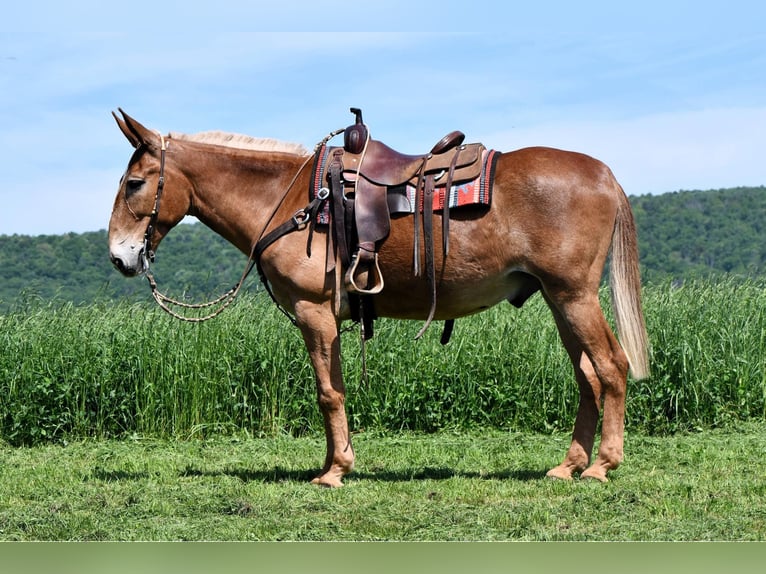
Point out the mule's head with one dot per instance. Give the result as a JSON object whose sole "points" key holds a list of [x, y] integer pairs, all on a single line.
{"points": [[136, 197]]}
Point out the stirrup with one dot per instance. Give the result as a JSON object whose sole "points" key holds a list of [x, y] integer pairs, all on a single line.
{"points": [[351, 279]]}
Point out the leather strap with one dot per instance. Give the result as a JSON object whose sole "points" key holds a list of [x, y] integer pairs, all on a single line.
{"points": [[449, 324], [428, 238], [302, 218], [338, 212], [445, 209], [418, 203]]}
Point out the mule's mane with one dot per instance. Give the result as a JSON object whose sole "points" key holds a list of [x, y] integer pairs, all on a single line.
{"points": [[239, 141]]}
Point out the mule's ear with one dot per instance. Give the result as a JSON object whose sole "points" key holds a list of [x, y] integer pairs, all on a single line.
{"points": [[136, 133], [126, 130]]}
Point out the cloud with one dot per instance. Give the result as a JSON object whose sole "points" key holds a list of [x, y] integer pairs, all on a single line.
{"points": [[700, 149]]}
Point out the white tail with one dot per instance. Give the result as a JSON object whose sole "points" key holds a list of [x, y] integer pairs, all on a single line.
{"points": [[625, 282]]}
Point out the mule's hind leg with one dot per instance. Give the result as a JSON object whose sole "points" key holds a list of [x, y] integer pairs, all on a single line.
{"points": [[579, 453], [320, 333], [605, 359]]}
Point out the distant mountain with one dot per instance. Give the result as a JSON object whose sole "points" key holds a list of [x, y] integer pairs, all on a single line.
{"points": [[682, 235]]}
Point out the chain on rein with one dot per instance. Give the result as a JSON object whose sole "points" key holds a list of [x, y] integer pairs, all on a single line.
{"points": [[299, 220]]}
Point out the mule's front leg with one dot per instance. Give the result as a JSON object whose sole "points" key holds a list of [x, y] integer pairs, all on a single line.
{"points": [[321, 335]]}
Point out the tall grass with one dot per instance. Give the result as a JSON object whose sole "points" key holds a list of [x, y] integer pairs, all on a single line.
{"points": [[121, 369], [709, 356]]}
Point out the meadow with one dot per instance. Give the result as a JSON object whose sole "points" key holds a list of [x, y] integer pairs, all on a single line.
{"points": [[120, 423], [407, 487]]}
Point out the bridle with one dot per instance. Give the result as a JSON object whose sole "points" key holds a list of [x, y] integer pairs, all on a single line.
{"points": [[147, 252], [300, 219]]}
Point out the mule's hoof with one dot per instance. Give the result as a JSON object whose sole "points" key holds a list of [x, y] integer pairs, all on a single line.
{"points": [[594, 473], [559, 473], [327, 481]]}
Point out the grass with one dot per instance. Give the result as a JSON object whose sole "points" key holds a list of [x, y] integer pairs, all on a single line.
{"points": [[407, 487], [112, 370], [118, 423]]}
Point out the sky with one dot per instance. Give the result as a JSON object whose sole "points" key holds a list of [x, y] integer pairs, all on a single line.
{"points": [[671, 95]]}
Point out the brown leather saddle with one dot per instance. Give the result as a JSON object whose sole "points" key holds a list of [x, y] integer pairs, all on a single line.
{"points": [[367, 182]]}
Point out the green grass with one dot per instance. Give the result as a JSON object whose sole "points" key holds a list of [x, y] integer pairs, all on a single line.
{"points": [[114, 370], [119, 423], [407, 487]]}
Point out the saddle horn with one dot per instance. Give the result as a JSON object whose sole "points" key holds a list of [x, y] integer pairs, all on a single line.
{"points": [[355, 135]]}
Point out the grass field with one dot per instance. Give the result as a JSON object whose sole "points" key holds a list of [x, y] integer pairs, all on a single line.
{"points": [[407, 487], [114, 370], [119, 423]]}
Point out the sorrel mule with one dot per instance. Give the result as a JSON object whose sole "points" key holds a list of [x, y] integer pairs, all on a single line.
{"points": [[553, 218]]}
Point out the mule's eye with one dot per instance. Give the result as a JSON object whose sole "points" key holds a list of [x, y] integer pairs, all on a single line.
{"points": [[133, 186]]}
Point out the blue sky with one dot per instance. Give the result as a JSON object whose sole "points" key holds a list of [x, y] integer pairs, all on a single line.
{"points": [[671, 95]]}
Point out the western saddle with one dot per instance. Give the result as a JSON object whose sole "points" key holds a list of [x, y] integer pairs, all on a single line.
{"points": [[367, 183]]}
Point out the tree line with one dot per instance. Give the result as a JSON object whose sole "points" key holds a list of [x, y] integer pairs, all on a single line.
{"points": [[693, 234], [682, 235]]}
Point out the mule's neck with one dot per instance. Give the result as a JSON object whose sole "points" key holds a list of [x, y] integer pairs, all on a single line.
{"points": [[240, 194]]}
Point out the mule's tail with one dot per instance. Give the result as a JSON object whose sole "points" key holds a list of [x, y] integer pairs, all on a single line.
{"points": [[625, 281]]}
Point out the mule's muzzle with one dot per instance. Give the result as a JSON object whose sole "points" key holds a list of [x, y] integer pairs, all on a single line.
{"points": [[128, 269]]}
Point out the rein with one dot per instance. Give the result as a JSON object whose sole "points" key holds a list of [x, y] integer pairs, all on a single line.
{"points": [[299, 220], [161, 299]]}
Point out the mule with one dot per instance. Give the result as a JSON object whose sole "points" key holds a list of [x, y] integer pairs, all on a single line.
{"points": [[554, 218]]}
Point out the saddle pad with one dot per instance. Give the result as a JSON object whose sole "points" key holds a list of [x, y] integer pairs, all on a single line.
{"points": [[474, 192]]}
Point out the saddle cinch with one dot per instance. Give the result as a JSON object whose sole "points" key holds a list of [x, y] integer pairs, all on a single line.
{"points": [[368, 183]]}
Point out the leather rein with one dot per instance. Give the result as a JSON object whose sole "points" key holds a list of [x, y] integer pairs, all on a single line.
{"points": [[300, 219]]}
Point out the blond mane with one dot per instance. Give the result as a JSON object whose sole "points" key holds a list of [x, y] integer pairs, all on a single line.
{"points": [[239, 141]]}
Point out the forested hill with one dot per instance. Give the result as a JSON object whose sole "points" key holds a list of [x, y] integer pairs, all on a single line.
{"points": [[681, 235], [192, 262], [698, 233]]}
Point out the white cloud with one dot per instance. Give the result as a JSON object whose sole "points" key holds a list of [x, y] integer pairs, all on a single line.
{"points": [[703, 149]]}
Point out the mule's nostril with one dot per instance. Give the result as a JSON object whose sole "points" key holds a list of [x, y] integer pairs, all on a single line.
{"points": [[117, 262]]}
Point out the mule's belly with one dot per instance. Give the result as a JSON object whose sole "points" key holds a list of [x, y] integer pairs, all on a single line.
{"points": [[412, 299]]}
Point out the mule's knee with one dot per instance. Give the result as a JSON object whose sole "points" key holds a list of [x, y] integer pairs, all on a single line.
{"points": [[330, 400]]}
